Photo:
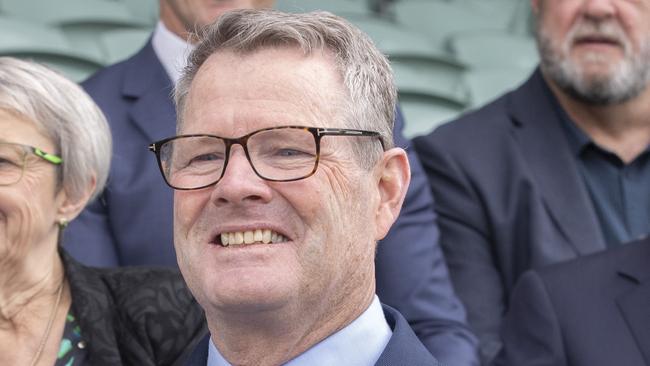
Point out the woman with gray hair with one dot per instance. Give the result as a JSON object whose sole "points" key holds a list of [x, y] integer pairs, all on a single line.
{"points": [[55, 149]]}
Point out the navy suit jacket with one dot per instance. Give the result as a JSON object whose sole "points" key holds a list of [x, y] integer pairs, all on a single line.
{"points": [[403, 348], [131, 223], [594, 311], [509, 197]]}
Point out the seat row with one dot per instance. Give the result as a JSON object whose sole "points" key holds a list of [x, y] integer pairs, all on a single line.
{"points": [[447, 56]]}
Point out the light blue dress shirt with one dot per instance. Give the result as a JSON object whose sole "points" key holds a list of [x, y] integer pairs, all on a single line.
{"points": [[360, 343]]}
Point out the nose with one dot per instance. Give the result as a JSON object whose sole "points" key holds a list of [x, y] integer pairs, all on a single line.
{"points": [[599, 9], [240, 184]]}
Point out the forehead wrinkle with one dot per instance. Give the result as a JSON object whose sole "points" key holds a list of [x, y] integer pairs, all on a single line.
{"points": [[310, 86]]}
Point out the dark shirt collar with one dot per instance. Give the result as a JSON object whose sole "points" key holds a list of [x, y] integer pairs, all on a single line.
{"points": [[577, 138]]}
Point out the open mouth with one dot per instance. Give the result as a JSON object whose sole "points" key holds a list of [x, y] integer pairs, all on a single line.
{"points": [[249, 237]]}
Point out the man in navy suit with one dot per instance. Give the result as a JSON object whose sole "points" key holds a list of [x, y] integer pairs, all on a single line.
{"points": [[286, 176], [556, 169], [592, 311], [132, 222]]}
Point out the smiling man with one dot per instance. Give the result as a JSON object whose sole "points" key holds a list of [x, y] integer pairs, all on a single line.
{"points": [[286, 177], [558, 168]]}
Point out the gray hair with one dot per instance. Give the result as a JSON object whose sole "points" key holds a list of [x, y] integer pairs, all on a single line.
{"points": [[65, 114], [365, 71]]}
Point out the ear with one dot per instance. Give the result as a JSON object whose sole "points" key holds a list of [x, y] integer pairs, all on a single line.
{"points": [[69, 207], [393, 176]]}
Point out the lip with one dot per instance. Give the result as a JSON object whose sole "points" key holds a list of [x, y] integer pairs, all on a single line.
{"points": [[597, 40]]}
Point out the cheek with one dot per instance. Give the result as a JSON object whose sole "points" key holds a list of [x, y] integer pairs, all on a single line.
{"points": [[188, 206], [22, 225]]}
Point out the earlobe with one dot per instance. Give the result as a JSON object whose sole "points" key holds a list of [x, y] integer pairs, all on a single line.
{"points": [[69, 207], [394, 175]]}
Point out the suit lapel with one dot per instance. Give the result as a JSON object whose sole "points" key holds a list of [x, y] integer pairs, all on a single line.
{"points": [[148, 85], [552, 165], [403, 348]]}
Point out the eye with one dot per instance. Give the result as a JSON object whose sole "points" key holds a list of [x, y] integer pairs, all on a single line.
{"points": [[203, 158], [288, 153], [7, 162]]}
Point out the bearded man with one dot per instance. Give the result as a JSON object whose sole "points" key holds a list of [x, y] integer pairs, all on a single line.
{"points": [[558, 168]]}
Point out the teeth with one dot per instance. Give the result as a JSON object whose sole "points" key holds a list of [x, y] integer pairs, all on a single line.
{"points": [[258, 236], [249, 237]]}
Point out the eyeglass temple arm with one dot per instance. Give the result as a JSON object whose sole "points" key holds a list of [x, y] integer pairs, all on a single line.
{"points": [[56, 160], [350, 132]]}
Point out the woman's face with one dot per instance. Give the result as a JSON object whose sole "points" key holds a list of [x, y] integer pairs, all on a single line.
{"points": [[30, 208]]}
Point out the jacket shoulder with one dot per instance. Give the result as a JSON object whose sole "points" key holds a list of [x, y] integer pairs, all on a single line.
{"points": [[484, 125], [630, 260], [106, 78]]}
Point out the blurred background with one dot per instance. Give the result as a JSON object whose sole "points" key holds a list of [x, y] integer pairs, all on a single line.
{"points": [[448, 56]]}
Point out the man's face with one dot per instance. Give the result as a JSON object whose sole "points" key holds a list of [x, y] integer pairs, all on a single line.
{"points": [[327, 221], [199, 13], [596, 50]]}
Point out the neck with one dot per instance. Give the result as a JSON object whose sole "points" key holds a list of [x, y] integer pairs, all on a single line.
{"points": [[622, 128], [277, 336], [28, 284], [172, 22]]}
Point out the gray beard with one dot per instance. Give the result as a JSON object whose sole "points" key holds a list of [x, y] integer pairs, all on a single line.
{"points": [[625, 81]]}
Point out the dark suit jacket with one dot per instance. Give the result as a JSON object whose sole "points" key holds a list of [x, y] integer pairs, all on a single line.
{"points": [[509, 197], [403, 348], [131, 224], [594, 311]]}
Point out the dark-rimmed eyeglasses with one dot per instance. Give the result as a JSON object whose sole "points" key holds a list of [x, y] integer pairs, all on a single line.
{"points": [[13, 159], [278, 154]]}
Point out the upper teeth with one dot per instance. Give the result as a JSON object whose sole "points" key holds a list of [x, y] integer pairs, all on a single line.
{"points": [[251, 237]]}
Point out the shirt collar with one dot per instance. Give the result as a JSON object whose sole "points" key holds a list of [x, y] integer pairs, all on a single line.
{"points": [[360, 343], [172, 51]]}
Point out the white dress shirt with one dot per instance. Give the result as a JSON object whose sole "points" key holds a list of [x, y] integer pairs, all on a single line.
{"points": [[360, 343], [172, 51]]}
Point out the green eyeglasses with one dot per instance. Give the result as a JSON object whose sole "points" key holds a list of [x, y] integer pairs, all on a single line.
{"points": [[13, 159]]}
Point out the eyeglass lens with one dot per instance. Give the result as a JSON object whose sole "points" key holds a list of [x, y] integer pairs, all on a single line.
{"points": [[277, 154], [12, 162]]}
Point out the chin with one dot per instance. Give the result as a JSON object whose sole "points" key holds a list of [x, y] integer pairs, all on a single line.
{"points": [[250, 292]]}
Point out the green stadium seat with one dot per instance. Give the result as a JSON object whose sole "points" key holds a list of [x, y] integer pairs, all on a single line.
{"points": [[522, 22], [432, 82], [46, 45], [486, 84], [144, 10], [439, 19], [399, 42], [424, 113], [69, 12], [494, 49], [344, 8], [120, 44], [82, 21]]}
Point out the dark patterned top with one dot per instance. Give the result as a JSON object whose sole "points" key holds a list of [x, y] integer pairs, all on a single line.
{"points": [[132, 315], [72, 351]]}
